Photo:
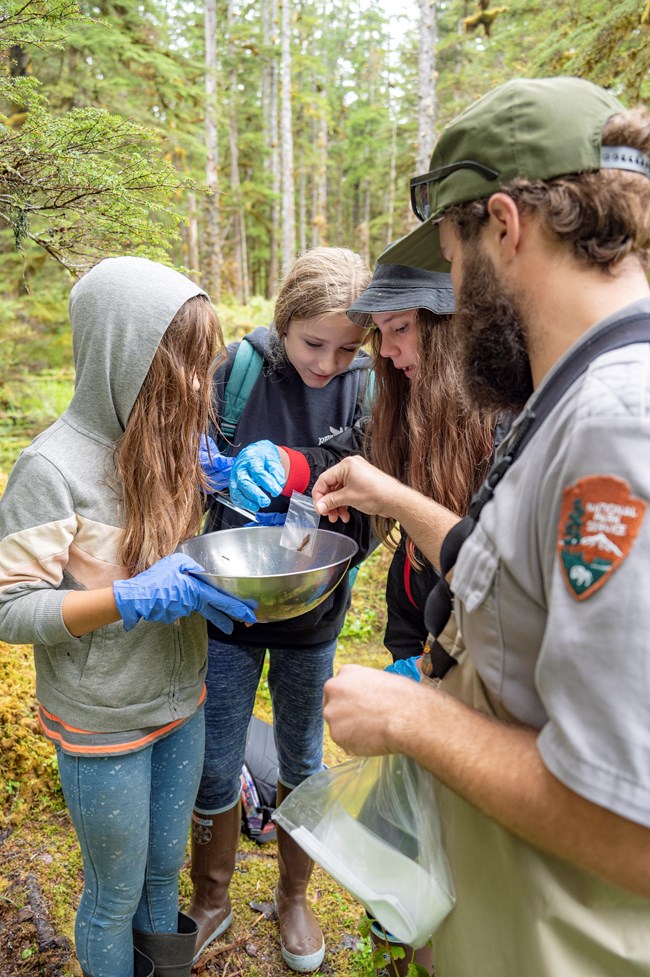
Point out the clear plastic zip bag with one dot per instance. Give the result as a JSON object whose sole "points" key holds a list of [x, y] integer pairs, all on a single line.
{"points": [[373, 824], [300, 525]]}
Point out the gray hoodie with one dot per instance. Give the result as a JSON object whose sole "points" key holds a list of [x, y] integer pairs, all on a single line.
{"points": [[60, 527]]}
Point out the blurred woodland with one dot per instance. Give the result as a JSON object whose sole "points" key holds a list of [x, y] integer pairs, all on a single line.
{"points": [[225, 136]]}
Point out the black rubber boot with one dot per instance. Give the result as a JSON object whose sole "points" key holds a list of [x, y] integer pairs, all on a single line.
{"points": [[172, 953]]}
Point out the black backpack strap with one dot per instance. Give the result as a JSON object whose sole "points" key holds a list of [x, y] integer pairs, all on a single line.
{"points": [[438, 607]]}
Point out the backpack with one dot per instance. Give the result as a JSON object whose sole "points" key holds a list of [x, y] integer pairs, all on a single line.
{"points": [[259, 780], [438, 608], [246, 368]]}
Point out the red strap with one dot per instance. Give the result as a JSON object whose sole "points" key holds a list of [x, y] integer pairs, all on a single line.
{"points": [[299, 473], [407, 581]]}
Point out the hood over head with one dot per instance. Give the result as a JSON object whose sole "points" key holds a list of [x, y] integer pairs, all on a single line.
{"points": [[119, 312]]}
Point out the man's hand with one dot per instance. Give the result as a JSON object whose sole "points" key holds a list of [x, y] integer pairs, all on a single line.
{"points": [[358, 704], [493, 765], [355, 482]]}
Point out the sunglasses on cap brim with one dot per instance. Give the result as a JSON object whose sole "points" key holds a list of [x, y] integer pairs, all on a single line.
{"points": [[421, 186]]}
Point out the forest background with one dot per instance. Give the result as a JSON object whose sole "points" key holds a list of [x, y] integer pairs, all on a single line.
{"points": [[223, 137]]}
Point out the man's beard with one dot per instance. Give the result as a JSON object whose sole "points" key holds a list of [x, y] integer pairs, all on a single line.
{"points": [[492, 338]]}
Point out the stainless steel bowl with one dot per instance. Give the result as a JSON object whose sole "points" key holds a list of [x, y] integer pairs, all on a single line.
{"points": [[280, 583]]}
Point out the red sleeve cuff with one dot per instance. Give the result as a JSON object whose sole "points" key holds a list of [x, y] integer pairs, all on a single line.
{"points": [[299, 473]]}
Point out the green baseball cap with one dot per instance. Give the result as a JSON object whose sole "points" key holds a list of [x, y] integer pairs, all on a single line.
{"points": [[535, 128]]}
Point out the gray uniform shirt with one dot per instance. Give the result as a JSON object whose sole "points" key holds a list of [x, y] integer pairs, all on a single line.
{"points": [[552, 586]]}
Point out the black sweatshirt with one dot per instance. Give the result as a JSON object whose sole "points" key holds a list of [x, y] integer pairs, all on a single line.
{"points": [[282, 409]]}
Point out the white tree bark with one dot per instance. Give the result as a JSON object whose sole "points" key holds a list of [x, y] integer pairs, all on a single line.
{"points": [[302, 204], [427, 76], [270, 105], [241, 285], [212, 264], [319, 218], [390, 207], [287, 175]]}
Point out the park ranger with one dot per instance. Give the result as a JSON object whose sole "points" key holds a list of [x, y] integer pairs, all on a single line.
{"points": [[538, 200]]}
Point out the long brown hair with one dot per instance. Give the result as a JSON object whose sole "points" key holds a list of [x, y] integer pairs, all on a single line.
{"points": [[423, 431], [157, 456]]}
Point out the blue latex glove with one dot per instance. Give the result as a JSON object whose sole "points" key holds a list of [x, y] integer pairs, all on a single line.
{"points": [[269, 519], [166, 592], [257, 476], [216, 467], [406, 667]]}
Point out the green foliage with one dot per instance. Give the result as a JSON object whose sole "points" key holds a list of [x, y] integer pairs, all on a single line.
{"points": [[41, 22], [361, 627], [84, 185], [366, 620], [237, 319], [609, 43]]}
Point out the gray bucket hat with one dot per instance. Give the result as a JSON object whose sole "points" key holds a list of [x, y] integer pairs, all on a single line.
{"points": [[396, 287]]}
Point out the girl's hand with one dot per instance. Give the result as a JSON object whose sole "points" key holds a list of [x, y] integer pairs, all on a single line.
{"points": [[257, 476], [166, 591], [216, 467]]}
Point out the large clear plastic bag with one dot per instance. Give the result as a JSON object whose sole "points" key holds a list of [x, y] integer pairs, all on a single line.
{"points": [[373, 824]]}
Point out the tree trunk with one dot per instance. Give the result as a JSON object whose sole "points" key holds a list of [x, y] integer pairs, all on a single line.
{"points": [[319, 219], [192, 237], [426, 85], [287, 175], [302, 207], [270, 112], [18, 65], [212, 264], [240, 283], [364, 225], [390, 207]]}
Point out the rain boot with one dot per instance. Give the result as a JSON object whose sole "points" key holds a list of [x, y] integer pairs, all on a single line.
{"points": [[387, 965], [303, 947], [142, 965], [215, 838], [172, 953]]}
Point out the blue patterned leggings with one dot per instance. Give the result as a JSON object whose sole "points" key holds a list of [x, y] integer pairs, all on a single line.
{"points": [[131, 815]]}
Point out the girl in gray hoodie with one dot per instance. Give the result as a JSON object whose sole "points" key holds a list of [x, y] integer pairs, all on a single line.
{"points": [[89, 522]]}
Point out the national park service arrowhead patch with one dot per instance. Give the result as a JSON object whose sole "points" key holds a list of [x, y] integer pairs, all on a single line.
{"points": [[599, 521]]}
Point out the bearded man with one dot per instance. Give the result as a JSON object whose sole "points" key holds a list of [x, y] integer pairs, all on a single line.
{"points": [[538, 202]]}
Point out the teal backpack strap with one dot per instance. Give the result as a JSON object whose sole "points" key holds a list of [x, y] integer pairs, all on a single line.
{"points": [[246, 368], [369, 393]]}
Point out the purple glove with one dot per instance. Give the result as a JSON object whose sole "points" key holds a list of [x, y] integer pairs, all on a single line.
{"points": [[216, 467], [166, 592]]}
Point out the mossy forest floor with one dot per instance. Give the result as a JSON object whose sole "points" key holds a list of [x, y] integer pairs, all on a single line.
{"points": [[41, 876]]}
